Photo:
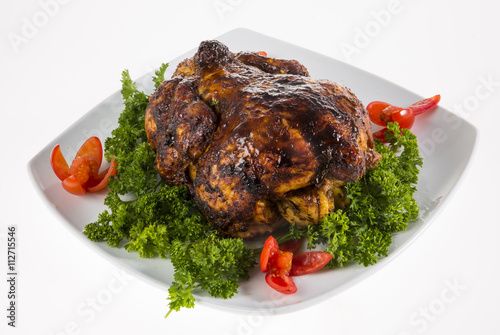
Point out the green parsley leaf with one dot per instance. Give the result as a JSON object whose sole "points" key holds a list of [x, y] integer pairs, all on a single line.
{"points": [[160, 75], [214, 264]]}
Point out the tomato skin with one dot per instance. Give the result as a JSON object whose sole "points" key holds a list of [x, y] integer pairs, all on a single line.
{"points": [[292, 246], [73, 186], [84, 168], [382, 116], [309, 262], [374, 109], [425, 104], [270, 248], [386, 114], [404, 117], [101, 180], [91, 147], [58, 163], [80, 168], [284, 284], [379, 135]]}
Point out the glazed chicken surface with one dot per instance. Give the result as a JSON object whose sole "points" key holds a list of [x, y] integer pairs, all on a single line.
{"points": [[258, 142]]}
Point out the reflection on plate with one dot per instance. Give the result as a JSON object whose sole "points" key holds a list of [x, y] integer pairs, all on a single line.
{"points": [[446, 142]]}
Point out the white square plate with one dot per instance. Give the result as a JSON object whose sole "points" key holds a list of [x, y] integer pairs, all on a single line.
{"points": [[446, 143]]}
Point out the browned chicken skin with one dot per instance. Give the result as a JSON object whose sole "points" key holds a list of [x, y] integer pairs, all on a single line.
{"points": [[256, 140]]}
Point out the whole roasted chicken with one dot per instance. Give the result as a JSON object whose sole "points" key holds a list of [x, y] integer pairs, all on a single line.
{"points": [[258, 142]]}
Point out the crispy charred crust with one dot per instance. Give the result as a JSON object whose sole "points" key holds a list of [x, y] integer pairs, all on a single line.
{"points": [[179, 126], [211, 52], [256, 140]]}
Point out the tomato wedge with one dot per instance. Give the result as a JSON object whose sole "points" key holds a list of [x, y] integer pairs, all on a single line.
{"points": [[404, 117], [103, 177], [269, 249], [375, 109], [73, 186], [280, 263], [91, 147], [425, 105], [84, 168], [263, 53], [284, 284], [309, 262], [58, 163], [379, 135]]}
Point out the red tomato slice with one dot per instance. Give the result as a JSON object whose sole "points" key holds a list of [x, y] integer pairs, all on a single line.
{"points": [[73, 186], [379, 135], [59, 164], [269, 249], [404, 118], [80, 168], [91, 147], [309, 262], [84, 168], [425, 105], [103, 177], [292, 246], [280, 263], [386, 114], [281, 284], [263, 53], [374, 109]]}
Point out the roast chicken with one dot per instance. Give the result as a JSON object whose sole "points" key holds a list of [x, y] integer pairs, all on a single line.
{"points": [[258, 142]]}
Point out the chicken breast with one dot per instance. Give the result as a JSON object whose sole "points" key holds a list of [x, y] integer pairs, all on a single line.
{"points": [[256, 140]]}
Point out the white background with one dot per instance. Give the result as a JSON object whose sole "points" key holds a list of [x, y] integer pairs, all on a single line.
{"points": [[72, 58]]}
